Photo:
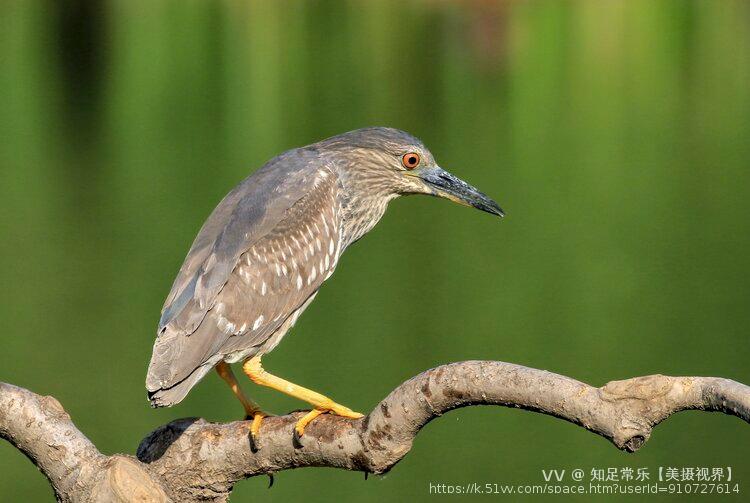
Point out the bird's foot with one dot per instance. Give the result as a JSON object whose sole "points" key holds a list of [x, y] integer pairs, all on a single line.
{"points": [[331, 408], [257, 418]]}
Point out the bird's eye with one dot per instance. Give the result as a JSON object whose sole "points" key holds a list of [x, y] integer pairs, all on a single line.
{"points": [[410, 160]]}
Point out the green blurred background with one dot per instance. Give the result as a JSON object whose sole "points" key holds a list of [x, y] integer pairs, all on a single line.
{"points": [[614, 133]]}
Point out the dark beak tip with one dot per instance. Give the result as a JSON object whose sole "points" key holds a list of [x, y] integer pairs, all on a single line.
{"points": [[499, 212], [491, 207]]}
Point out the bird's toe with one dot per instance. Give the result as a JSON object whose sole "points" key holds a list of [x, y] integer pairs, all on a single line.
{"points": [[255, 429]]}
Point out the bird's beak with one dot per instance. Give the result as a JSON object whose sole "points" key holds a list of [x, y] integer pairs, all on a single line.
{"points": [[443, 184]]}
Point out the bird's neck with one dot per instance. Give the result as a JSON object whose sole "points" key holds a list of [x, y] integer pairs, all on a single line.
{"points": [[362, 206], [360, 216]]}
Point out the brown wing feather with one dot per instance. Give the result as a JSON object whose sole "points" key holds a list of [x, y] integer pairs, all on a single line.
{"points": [[244, 216], [268, 282], [279, 273]]}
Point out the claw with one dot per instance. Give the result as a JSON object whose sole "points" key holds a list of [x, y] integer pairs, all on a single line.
{"points": [[297, 440], [255, 430]]}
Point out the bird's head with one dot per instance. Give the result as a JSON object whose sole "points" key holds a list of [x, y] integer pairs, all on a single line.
{"points": [[392, 162]]}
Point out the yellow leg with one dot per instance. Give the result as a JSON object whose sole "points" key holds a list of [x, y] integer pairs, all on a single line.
{"points": [[252, 410], [225, 372], [320, 403]]}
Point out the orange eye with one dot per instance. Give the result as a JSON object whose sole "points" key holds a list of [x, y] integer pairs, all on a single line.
{"points": [[410, 160]]}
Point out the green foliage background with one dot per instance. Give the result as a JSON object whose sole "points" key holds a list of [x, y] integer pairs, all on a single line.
{"points": [[615, 134]]}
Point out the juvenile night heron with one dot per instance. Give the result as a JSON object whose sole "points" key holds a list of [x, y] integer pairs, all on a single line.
{"points": [[260, 258]]}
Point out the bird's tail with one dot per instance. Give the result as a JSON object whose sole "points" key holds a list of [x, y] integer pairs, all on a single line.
{"points": [[178, 362], [166, 397]]}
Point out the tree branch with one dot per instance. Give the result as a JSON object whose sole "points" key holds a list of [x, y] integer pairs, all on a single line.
{"points": [[194, 460]]}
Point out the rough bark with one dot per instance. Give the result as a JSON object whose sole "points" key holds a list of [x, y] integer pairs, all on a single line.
{"points": [[194, 460]]}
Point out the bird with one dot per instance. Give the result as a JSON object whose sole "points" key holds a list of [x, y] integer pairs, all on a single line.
{"points": [[260, 258]]}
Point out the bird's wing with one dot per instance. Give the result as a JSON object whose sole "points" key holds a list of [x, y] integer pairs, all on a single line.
{"points": [[244, 216], [280, 272], [246, 287]]}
